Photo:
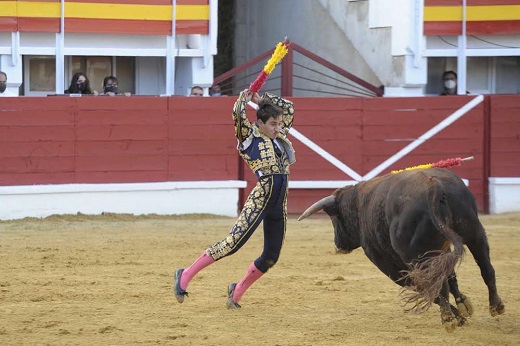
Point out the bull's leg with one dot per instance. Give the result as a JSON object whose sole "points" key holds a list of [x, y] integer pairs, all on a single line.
{"points": [[450, 316], [464, 307], [461, 319], [448, 319], [480, 250], [463, 303]]}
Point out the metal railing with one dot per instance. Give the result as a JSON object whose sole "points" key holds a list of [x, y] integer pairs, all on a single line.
{"points": [[306, 74]]}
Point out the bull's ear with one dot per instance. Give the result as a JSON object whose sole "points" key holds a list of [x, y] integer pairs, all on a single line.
{"points": [[322, 203]]}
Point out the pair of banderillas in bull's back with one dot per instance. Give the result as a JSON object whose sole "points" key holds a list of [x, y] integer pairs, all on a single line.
{"points": [[413, 226]]}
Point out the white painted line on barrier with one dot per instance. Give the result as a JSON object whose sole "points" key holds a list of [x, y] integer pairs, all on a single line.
{"points": [[316, 148], [387, 163], [320, 184], [424, 137], [121, 187], [320, 151]]}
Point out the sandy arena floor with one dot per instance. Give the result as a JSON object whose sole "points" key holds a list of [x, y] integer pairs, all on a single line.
{"points": [[107, 280]]}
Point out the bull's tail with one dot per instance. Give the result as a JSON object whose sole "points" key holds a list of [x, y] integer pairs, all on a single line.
{"points": [[427, 275]]}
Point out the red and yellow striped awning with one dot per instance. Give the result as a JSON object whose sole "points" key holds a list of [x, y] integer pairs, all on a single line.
{"points": [[483, 17], [153, 17]]}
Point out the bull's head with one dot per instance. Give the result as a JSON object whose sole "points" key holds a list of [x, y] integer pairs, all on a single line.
{"points": [[341, 208]]}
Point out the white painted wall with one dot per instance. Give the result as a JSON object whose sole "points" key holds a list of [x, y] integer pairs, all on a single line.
{"points": [[168, 198], [385, 33], [504, 195]]}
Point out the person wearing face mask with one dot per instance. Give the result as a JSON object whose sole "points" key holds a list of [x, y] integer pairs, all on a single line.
{"points": [[80, 84], [265, 148], [4, 92], [449, 79], [111, 87], [215, 91]]}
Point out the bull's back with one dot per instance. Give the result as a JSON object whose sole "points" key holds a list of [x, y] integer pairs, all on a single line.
{"points": [[408, 199], [442, 192]]}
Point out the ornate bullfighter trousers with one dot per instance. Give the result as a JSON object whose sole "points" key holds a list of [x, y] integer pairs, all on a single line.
{"points": [[267, 202]]}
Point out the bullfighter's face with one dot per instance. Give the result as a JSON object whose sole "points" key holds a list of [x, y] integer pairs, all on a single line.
{"points": [[272, 127]]}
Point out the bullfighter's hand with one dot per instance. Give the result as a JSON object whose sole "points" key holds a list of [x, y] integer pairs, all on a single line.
{"points": [[247, 94], [256, 98]]}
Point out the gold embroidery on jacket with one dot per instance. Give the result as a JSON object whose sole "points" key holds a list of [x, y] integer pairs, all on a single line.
{"points": [[253, 207], [267, 162]]}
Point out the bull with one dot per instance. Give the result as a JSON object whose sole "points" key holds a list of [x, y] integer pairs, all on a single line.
{"points": [[413, 226]]}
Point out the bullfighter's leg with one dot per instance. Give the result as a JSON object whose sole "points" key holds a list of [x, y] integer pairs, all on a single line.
{"points": [[274, 232], [251, 216], [479, 248]]}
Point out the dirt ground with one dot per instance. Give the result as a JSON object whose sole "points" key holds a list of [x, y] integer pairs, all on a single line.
{"points": [[107, 280]]}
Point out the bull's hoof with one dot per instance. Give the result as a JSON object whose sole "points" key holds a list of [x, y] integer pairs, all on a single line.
{"points": [[450, 325], [464, 306], [461, 320], [449, 320], [499, 309]]}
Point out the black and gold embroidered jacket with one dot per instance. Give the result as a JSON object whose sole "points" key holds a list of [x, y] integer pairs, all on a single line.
{"points": [[257, 149]]}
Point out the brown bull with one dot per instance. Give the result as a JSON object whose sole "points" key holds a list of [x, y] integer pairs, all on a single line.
{"points": [[413, 225]]}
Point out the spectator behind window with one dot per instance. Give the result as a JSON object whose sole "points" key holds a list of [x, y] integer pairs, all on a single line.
{"points": [[197, 91], [80, 85], [449, 78], [111, 87], [215, 90], [4, 92]]}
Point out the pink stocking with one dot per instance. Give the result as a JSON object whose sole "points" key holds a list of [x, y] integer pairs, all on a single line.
{"points": [[200, 263], [251, 276]]}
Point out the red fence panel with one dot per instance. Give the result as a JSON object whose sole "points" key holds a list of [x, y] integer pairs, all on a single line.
{"points": [[61, 140], [505, 135], [364, 133]]}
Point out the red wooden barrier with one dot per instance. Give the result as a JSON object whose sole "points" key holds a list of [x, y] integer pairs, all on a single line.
{"points": [[61, 140], [505, 136], [363, 133]]}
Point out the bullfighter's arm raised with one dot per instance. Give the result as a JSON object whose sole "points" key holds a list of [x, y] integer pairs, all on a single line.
{"points": [[243, 126]]}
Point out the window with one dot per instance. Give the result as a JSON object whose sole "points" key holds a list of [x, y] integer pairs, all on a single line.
{"points": [[508, 75], [485, 75], [39, 75], [98, 67]]}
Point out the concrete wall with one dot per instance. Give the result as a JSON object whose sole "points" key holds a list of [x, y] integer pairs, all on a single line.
{"points": [[307, 23]]}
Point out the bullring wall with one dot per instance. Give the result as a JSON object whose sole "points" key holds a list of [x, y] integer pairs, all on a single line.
{"points": [[102, 140]]}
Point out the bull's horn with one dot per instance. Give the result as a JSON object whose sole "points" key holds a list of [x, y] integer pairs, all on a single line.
{"points": [[322, 203]]}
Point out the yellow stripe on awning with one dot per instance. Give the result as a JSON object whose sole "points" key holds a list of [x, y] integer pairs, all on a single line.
{"points": [[102, 11], [192, 12], [117, 11], [442, 13], [39, 9], [505, 12], [473, 13], [8, 9]]}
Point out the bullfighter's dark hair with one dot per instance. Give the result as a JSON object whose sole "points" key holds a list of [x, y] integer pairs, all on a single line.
{"points": [[267, 110]]}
